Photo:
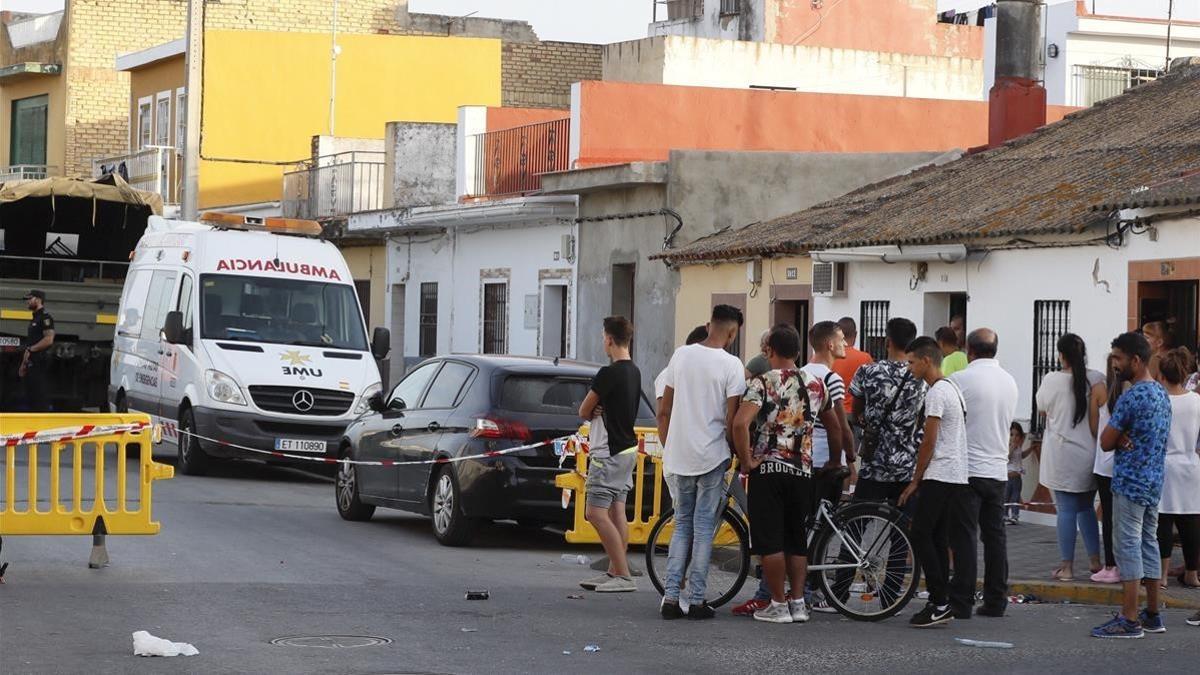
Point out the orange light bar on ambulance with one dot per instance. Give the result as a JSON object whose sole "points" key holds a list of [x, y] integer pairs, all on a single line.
{"points": [[233, 221]]}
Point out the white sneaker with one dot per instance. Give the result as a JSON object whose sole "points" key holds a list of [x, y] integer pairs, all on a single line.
{"points": [[798, 610], [776, 612], [617, 585]]}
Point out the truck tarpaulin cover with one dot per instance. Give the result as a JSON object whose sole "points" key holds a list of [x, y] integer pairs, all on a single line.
{"points": [[109, 215]]}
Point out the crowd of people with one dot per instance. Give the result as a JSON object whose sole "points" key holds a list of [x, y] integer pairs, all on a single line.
{"points": [[931, 428]]}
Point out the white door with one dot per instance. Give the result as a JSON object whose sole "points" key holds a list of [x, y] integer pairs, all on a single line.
{"points": [[150, 344], [178, 365]]}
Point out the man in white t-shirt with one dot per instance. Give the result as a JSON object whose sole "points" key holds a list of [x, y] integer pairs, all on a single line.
{"points": [[991, 397], [942, 512], [704, 384]]}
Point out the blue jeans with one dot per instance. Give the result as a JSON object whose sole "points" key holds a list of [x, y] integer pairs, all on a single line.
{"points": [[1012, 495], [697, 501], [1135, 539], [1076, 510]]}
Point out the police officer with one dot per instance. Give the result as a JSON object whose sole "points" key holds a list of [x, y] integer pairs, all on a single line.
{"points": [[35, 360]]}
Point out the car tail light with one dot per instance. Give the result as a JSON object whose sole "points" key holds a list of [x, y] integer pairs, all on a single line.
{"points": [[491, 427]]}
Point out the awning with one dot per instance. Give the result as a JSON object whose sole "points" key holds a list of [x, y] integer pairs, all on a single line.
{"points": [[894, 254], [21, 71], [111, 188]]}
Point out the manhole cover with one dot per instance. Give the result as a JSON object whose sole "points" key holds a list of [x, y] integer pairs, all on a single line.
{"points": [[331, 641]]}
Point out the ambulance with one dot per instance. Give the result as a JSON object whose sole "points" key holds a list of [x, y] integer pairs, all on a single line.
{"points": [[241, 334]]}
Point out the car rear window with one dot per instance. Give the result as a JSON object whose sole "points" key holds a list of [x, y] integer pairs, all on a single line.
{"points": [[550, 395]]}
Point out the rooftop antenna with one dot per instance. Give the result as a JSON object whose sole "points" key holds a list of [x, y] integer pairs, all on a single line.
{"points": [[1170, 18]]}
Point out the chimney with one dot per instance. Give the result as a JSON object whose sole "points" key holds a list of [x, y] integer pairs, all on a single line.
{"points": [[1017, 101]]}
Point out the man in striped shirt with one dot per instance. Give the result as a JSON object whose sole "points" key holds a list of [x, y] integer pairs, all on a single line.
{"points": [[829, 344]]}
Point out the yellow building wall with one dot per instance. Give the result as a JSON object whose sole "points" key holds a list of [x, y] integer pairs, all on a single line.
{"points": [[370, 263], [267, 94], [51, 85], [166, 75], [698, 283]]}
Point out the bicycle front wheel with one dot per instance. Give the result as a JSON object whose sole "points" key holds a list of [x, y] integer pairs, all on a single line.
{"points": [[727, 568], [877, 571]]}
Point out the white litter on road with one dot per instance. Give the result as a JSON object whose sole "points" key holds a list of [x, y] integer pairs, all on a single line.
{"points": [[145, 644]]}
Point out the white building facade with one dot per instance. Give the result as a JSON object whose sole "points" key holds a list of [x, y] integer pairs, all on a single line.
{"points": [[1090, 57], [1031, 294], [492, 277]]}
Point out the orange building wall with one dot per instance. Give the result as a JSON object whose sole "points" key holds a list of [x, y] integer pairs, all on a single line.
{"points": [[626, 122], [507, 118], [904, 26]]}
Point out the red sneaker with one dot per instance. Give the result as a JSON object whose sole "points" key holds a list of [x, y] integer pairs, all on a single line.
{"points": [[749, 607]]}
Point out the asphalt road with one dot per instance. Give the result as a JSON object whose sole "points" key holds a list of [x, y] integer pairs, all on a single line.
{"points": [[257, 553]]}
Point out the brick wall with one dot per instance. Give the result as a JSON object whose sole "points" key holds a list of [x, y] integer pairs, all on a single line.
{"points": [[539, 74]]}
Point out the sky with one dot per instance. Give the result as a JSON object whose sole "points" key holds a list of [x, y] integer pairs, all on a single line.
{"points": [[605, 21]]}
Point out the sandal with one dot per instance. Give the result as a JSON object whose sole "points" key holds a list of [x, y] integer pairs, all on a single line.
{"points": [[1056, 574], [1183, 582]]}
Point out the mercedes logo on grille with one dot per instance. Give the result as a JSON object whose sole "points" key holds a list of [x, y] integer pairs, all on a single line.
{"points": [[303, 400]]}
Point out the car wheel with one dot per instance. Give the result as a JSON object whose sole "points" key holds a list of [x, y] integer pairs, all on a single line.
{"points": [[450, 525], [192, 459], [345, 485]]}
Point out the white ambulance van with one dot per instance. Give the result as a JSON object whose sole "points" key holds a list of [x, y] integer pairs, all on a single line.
{"points": [[243, 330]]}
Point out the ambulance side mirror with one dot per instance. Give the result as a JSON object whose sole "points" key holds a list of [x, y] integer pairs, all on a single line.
{"points": [[173, 330], [381, 343]]}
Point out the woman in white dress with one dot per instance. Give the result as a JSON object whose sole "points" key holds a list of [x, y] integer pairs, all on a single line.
{"points": [[1179, 507], [1069, 452]]}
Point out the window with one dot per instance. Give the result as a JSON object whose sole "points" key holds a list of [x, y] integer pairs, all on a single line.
{"points": [[158, 302], [133, 303], [872, 327], [162, 118], [28, 130], [184, 302], [1051, 318], [144, 121], [449, 386], [427, 321], [495, 318], [730, 7], [280, 311], [410, 388], [1096, 83], [180, 119]]}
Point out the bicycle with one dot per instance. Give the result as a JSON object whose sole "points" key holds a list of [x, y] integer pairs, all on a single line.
{"points": [[846, 543]]}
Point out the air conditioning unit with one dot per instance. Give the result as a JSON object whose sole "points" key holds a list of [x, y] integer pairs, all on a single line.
{"points": [[829, 279]]}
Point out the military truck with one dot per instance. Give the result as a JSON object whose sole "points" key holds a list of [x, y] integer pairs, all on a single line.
{"points": [[71, 239]]}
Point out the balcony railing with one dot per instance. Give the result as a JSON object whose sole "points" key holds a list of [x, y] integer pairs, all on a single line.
{"points": [[511, 161], [17, 172], [335, 185], [154, 168]]}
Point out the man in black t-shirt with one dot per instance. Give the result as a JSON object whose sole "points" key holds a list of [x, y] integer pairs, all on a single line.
{"points": [[613, 403], [35, 359]]}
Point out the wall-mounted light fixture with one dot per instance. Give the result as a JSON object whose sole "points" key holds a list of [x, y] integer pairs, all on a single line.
{"points": [[1052, 50]]}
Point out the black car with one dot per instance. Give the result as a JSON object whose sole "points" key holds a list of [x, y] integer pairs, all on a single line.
{"points": [[462, 406]]}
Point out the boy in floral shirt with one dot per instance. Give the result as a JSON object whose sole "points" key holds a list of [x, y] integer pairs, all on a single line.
{"points": [[1137, 432], [786, 403]]}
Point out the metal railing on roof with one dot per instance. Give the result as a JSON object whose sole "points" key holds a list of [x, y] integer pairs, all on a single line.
{"points": [[511, 161], [154, 168], [335, 185], [17, 172]]}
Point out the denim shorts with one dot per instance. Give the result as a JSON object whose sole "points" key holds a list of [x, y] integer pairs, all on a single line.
{"points": [[1135, 539]]}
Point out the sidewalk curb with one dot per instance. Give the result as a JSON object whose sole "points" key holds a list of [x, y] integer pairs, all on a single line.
{"points": [[1094, 594]]}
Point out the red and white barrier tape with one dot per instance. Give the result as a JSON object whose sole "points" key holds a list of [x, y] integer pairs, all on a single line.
{"points": [[70, 433], [382, 462]]}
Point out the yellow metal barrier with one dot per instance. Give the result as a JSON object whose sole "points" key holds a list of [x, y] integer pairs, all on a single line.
{"points": [[650, 452], [86, 511]]}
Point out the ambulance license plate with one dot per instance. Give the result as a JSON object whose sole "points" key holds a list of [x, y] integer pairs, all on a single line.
{"points": [[299, 445]]}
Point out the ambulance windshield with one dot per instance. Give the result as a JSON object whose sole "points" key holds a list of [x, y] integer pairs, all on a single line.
{"points": [[281, 311]]}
